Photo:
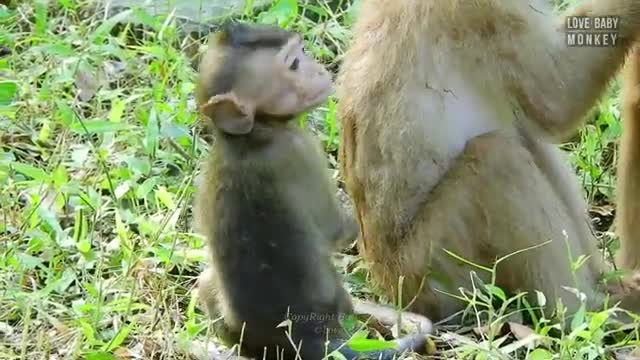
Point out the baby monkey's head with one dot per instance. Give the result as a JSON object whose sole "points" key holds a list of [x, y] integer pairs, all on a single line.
{"points": [[254, 70]]}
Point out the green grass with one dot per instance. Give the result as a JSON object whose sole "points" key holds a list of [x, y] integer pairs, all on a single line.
{"points": [[99, 150]]}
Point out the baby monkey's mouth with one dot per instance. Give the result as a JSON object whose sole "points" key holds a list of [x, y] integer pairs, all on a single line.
{"points": [[319, 97]]}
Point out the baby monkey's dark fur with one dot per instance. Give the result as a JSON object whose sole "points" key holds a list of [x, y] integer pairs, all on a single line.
{"points": [[267, 207]]}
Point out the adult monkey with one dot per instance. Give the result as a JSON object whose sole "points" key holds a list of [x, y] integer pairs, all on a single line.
{"points": [[449, 112]]}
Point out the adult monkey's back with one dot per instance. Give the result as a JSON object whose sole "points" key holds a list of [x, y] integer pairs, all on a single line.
{"points": [[449, 113]]}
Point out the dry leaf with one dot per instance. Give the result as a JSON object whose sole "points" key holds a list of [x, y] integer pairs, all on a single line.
{"points": [[58, 325], [123, 354], [88, 81], [632, 355], [484, 331], [150, 347], [113, 69], [481, 331], [604, 210], [210, 351], [522, 332], [6, 329]]}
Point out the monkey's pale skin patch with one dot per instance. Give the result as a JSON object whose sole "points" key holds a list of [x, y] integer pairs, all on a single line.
{"points": [[450, 111]]}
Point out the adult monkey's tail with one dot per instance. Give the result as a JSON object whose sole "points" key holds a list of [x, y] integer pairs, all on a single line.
{"points": [[628, 187]]}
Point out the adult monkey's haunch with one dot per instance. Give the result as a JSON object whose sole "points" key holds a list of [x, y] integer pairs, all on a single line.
{"points": [[449, 110]]}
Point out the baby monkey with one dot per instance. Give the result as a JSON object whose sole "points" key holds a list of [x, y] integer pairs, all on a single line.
{"points": [[267, 204]]}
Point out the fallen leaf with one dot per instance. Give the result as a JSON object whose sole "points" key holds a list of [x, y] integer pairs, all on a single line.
{"points": [[113, 69], [632, 355], [6, 329], [88, 81], [604, 210], [150, 347], [123, 354], [521, 332], [497, 329]]}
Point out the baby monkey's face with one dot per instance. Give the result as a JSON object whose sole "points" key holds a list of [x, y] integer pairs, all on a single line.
{"points": [[300, 83], [270, 75]]}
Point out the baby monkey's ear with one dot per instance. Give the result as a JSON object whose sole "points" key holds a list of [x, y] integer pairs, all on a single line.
{"points": [[229, 114]]}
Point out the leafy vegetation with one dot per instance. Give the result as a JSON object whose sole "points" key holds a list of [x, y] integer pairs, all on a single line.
{"points": [[99, 151]]}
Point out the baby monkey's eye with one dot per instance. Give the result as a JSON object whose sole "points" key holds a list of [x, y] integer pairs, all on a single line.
{"points": [[294, 65]]}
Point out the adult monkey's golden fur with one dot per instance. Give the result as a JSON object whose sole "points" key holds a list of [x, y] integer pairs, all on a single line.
{"points": [[628, 187], [449, 112]]}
